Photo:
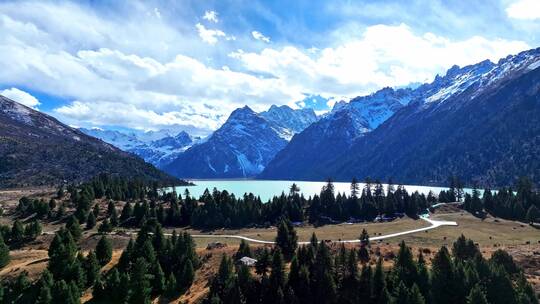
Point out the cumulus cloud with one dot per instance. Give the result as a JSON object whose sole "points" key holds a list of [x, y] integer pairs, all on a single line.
{"points": [[21, 97], [211, 16], [381, 56], [524, 9], [207, 35], [260, 36], [165, 74]]}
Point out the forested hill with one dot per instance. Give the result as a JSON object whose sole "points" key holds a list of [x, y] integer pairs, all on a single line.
{"points": [[37, 149]]}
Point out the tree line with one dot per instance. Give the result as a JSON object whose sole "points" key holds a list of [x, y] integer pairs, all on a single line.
{"points": [[323, 275]]}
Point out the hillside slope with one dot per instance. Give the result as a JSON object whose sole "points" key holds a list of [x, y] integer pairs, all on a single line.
{"points": [[37, 149]]}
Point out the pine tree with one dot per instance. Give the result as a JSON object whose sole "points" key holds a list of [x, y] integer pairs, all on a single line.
{"points": [[45, 296], [415, 296], [379, 283], [17, 232], [140, 286], [263, 262], [90, 221], [74, 228], [105, 227], [104, 251], [158, 281], [442, 281], [364, 237], [188, 274], [4, 253], [476, 296], [171, 287], [286, 239], [91, 267], [114, 218], [363, 254], [243, 250], [277, 275], [95, 211]]}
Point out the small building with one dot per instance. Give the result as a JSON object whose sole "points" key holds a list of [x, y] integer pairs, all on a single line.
{"points": [[247, 261]]}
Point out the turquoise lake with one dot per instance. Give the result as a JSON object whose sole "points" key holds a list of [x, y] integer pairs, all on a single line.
{"points": [[267, 189]]}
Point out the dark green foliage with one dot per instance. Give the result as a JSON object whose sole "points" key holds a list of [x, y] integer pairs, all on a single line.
{"points": [[91, 221], [476, 296], [319, 275], [286, 239], [103, 251], [243, 250], [74, 227], [105, 227], [4, 253]]}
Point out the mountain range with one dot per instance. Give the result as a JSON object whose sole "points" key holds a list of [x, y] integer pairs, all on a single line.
{"points": [[156, 147], [480, 122], [37, 149], [243, 146]]}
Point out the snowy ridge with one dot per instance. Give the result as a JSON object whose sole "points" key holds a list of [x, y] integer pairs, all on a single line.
{"points": [[156, 147]]}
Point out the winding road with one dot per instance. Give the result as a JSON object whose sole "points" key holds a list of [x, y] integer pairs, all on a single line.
{"points": [[434, 224]]}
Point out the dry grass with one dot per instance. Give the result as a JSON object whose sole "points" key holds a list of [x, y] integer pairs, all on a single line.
{"points": [[29, 260], [327, 232]]}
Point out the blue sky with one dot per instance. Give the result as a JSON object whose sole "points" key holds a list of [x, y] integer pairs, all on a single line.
{"points": [[186, 65]]}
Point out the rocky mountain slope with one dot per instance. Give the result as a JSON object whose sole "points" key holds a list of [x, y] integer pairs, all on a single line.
{"points": [[240, 148], [336, 131], [36, 149], [156, 147], [480, 122], [287, 121]]}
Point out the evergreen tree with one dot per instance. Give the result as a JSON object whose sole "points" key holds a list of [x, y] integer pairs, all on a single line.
{"points": [[188, 275], [104, 251], [140, 285], [114, 218], [286, 239], [415, 296], [443, 280], [73, 226], [158, 280], [364, 237], [45, 296], [171, 287], [91, 267], [476, 296], [243, 250], [90, 221], [263, 262], [17, 232], [105, 227], [4, 253], [533, 214]]}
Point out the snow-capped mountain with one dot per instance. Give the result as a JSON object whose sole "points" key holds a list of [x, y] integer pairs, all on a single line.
{"points": [[156, 147], [242, 147], [338, 129], [480, 122], [287, 121]]}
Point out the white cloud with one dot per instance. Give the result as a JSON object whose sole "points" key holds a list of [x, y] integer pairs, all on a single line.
{"points": [[141, 72], [260, 36], [524, 9], [21, 97], [209, 36], [382, 56], [211, 16]]}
